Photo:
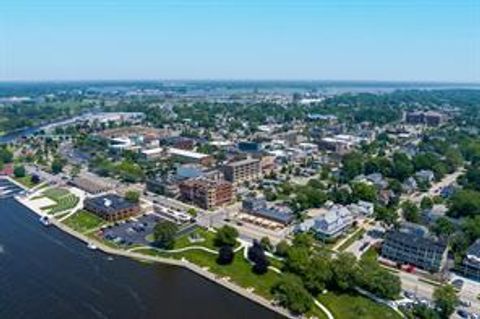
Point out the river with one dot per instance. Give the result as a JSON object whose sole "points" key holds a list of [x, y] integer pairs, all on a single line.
{"points": [[45, 273]]}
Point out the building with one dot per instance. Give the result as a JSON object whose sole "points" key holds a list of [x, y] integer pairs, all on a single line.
{"points": [[243, 170], [185, 156], [259, 208], [153, 153], [111, 207], [430, 118], [470, 266], [249, 147], [330, 225], [362, 208], [207, 193], [433, 118], [163, 185], [412, 244], [90, 184]]}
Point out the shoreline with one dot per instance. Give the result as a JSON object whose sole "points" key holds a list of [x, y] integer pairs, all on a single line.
{"points": [[243, 292]]}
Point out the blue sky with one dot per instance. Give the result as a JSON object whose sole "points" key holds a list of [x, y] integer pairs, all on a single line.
{"points": [[435, 40]]}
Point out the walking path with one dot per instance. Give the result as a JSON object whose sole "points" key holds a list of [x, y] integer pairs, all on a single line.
{"points": [[179, 250]]}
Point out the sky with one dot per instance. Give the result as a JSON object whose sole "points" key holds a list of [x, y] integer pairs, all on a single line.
{"points": [[382, 40]]}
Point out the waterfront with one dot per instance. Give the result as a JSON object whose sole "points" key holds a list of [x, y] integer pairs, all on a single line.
{"points": [[47, 273]]}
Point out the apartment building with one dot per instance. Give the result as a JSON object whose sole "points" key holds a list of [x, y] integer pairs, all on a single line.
{"points": [[243, 170], [207, 193], [412, 245]]}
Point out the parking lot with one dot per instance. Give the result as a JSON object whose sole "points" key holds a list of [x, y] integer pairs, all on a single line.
{"points": [[132, 231]]}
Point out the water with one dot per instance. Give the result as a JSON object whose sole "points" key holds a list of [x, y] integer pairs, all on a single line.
{"points": [[45, 273]]}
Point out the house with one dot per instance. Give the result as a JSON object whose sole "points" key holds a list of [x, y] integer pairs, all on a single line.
{"points": [[377, 180], [470, 266], [111, 207], [362, 208], [409, 185], [413, 245], [430, 216], [330, 225], [425, 175]]}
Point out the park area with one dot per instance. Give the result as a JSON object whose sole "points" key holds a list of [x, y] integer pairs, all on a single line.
{"points": [[63, 199], [83, 221]]}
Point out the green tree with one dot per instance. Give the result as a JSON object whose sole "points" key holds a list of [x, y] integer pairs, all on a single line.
{"points": [[364, 191], [282, 248], [426, 203], [446, 300], [225, 255], [352, 165], [57, 166], [443, 227], [226, 236], [465, 203], [164, 234], [19, 171], [291, 294], [132, 196], [410, 211], [318, 274], [344, 268]]}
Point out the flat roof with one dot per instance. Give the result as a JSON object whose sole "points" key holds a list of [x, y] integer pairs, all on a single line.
{"points": [[180, 152], [109, 204], [243, 162], [152, 151]]}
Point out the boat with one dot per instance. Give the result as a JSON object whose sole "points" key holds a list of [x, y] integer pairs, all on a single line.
{"points": [[91, 246], [45, 220]]}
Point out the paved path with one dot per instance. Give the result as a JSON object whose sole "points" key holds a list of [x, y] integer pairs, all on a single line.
{"points": [[179, 250]]}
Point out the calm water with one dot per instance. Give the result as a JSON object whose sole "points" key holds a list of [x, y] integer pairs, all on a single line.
{"points": [[45, 273]]}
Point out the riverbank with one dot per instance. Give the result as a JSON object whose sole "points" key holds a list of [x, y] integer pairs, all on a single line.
{"points": [[158, 259]]}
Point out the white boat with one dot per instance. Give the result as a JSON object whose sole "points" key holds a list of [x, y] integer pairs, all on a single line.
{"points": [[91, 246], [45, 220]]}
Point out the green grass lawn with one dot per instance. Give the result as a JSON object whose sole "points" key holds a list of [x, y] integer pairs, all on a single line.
{"points": [[63, 198], [25, 181], [356, 236], [354, 306], [183, 241], [84, 221]]}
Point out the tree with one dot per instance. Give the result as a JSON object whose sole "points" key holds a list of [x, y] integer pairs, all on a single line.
{"points": [[226, 236], [303, 240], [290, 293], [364, 191], [256, 254], [378, 280], [410, 211], [225, 255], [426, 203], [19, 171], [318, 274], [35, 179], [465, 203], [164, 234], [297, 260], [388, 215], [75, 170], [352, 165], [344, 268], [402, 167], [57, 166], [282, 248], [446, 300], [443, 227], [132, 196]]}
